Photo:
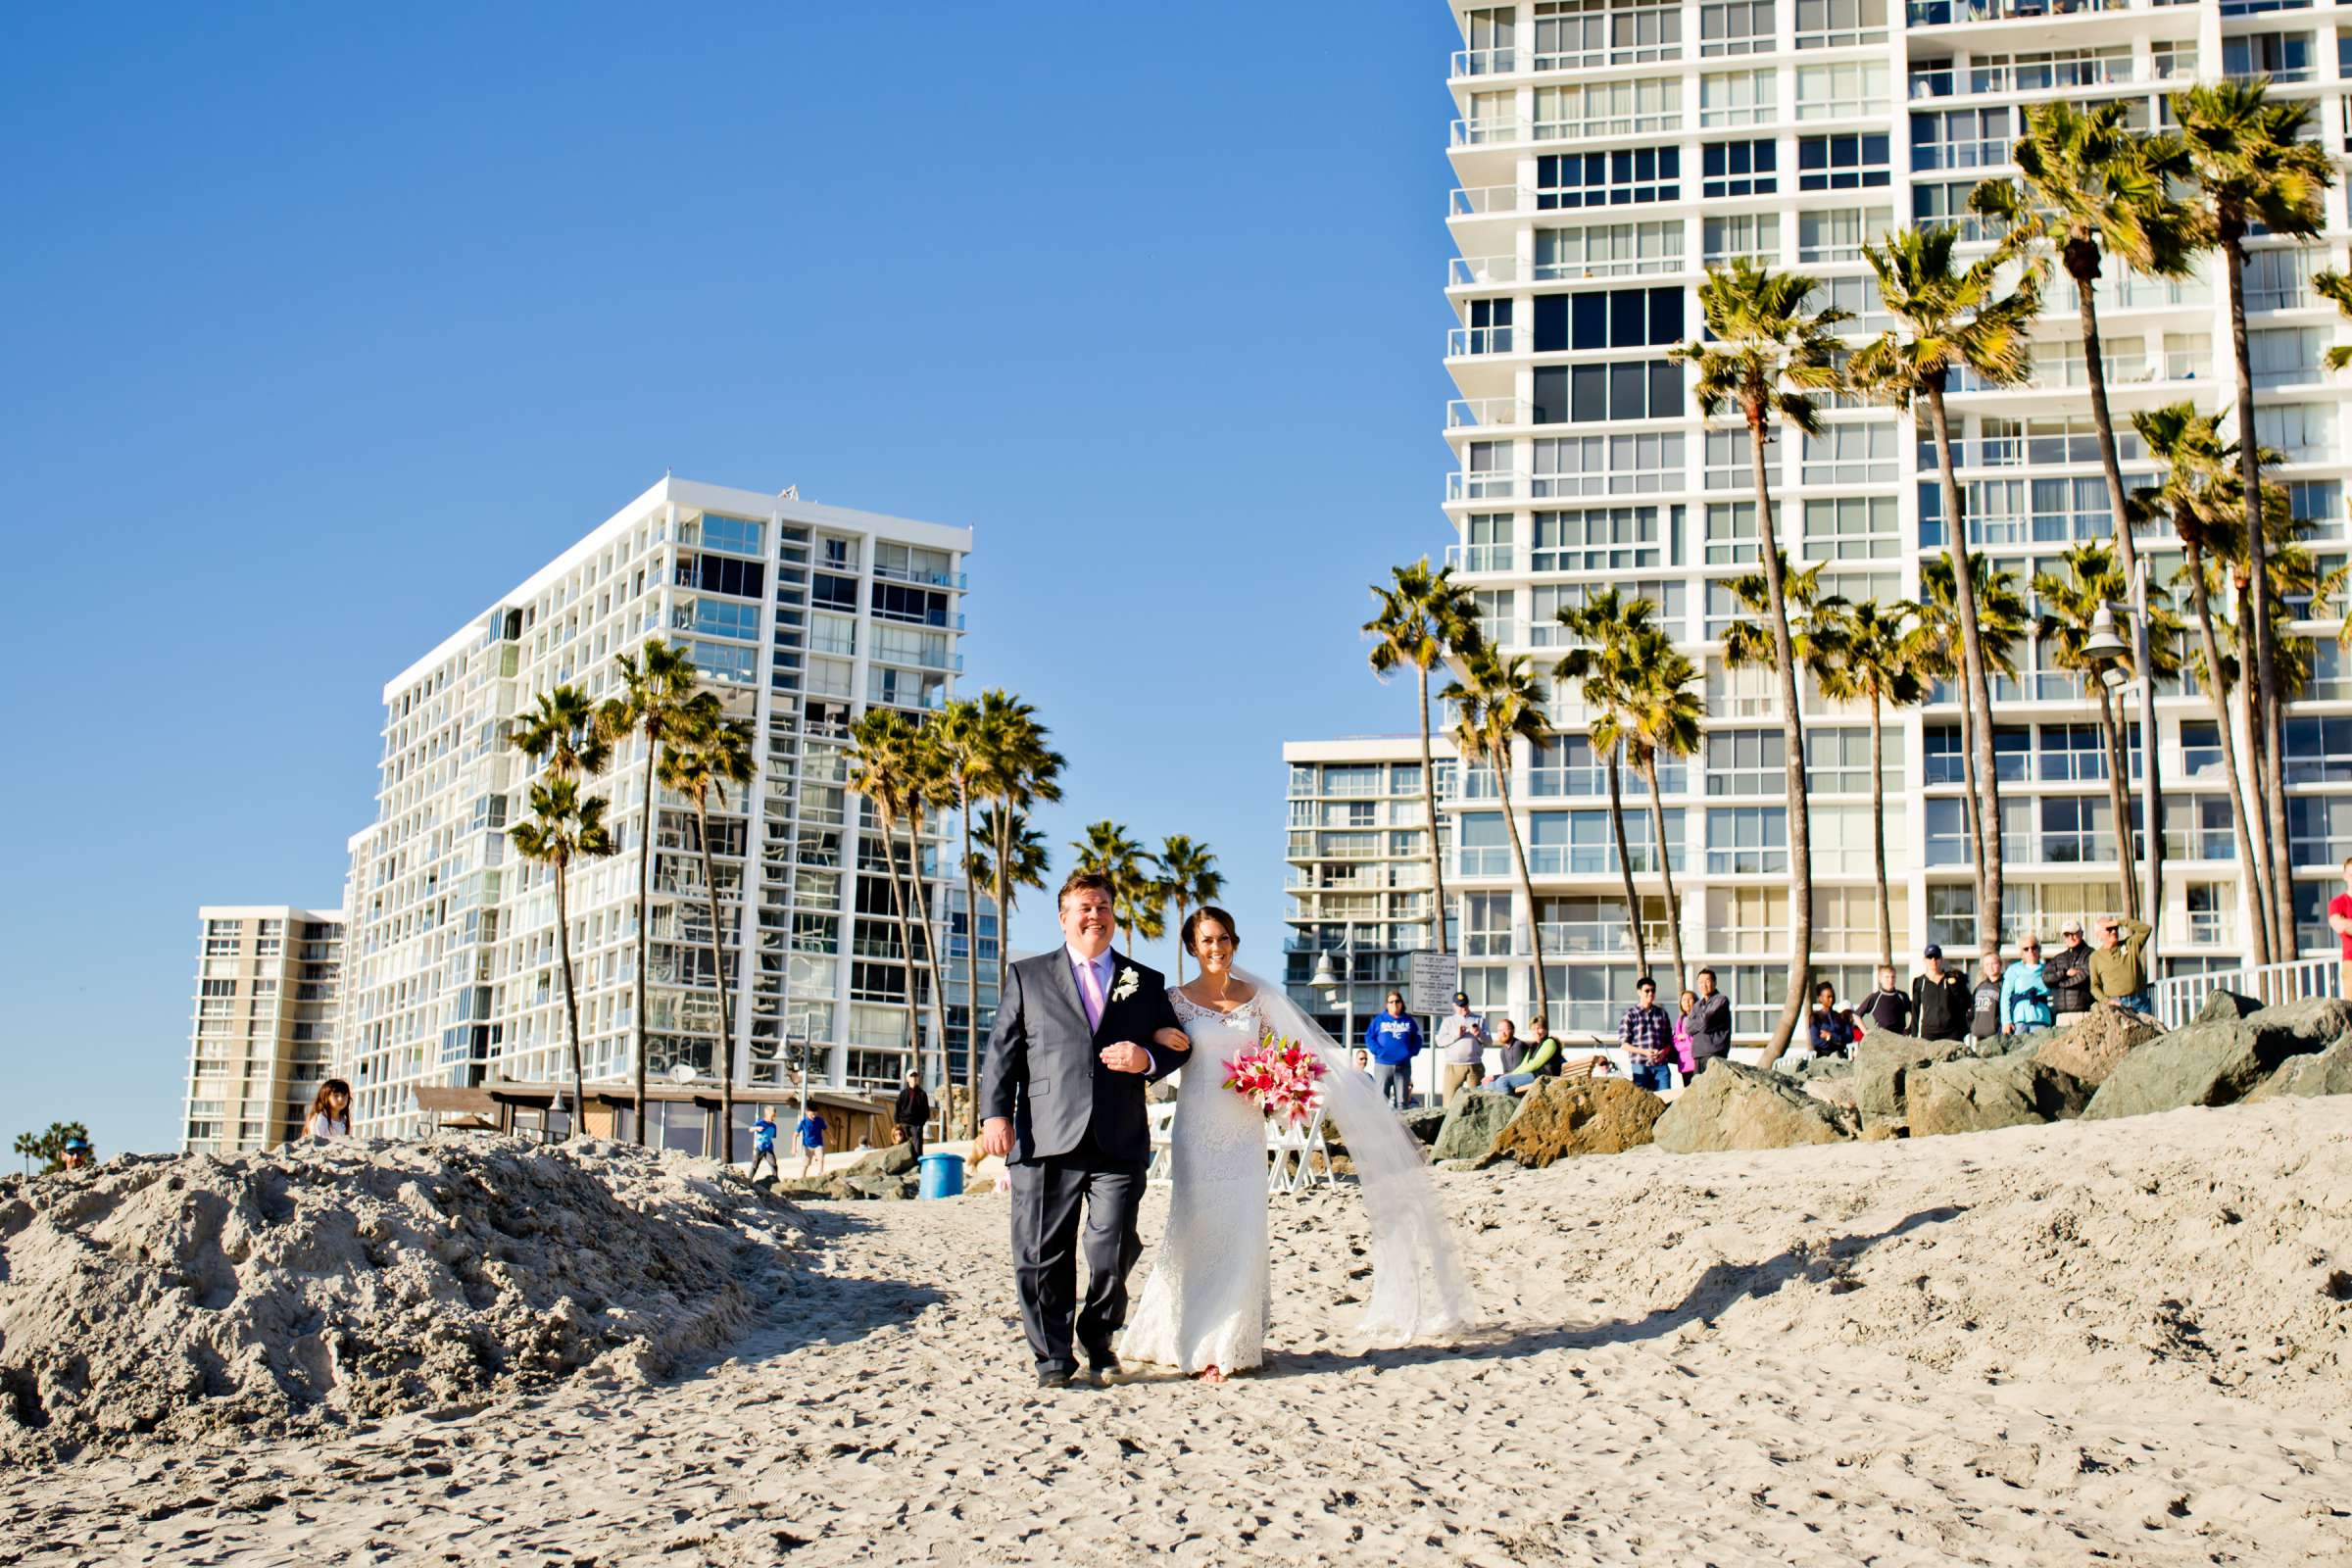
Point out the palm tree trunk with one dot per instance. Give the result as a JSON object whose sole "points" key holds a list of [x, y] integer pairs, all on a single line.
{"points": [[2256, 896], [971, 1113], [1180, 938], [1527, 886], [971, 947], [897, 905], [1877, 830], [1674, 902], [571, 1013], [1979, 696], [2269, 704], [719, 975], [1625, 870], [1429, 798], [2119, 796], [644, 921], [921, 898], [1969, 796], [2257, 744], [1793, 743]]}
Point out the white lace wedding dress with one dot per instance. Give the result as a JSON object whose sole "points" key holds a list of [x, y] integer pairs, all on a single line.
{"points": [[1207, 1299]]}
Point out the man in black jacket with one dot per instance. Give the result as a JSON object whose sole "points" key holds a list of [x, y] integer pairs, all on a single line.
{"points": [[910, 1111], [1940, 1000], [1710, 1024], [2066, 976]]}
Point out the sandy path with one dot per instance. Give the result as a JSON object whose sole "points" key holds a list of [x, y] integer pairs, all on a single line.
{"points": [[1694, 1367]]}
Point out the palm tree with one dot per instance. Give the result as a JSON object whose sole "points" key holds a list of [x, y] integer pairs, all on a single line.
{"points": [[1022, 771], [1869, 653], [703, 754], [656, 688], [1953, 321], [1666, 710], [1422, 616], [1496, 702], [2252, 166], [880, 743], [561, 732], [2190, 494], [963, 734], [2094, 581], [1108, 852], [1608, 626], [927, 788], [1770, 356], [1999, 622], [1192, 879], [1025, 866], [564, 826]]}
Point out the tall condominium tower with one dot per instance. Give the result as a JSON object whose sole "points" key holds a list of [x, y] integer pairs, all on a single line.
{"points": [[799, 616], [268, 978], [1608, 153]]}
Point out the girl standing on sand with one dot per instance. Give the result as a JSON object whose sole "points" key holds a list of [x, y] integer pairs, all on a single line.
{"points": [[330, 1111]]}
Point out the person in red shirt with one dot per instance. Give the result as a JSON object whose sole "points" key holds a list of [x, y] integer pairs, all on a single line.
{"points": [[2339, 920]]}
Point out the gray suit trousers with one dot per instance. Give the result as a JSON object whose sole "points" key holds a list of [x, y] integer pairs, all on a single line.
{"points": [[1049, 1196]]}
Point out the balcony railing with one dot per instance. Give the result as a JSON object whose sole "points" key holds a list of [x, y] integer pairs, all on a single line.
{"points": [[1481, 557], [1481, 272], [1489, 484], [1489, 132], [1483, 200], [1479, 412], [1485, 62], [927, 579], [1468, 341], [1948, 13]]}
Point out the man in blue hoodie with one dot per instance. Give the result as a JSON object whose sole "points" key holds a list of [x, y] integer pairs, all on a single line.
{"points": [[1394, 1040], [2024, 994]]}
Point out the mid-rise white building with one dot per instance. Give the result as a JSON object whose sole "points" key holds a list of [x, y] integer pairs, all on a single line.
{"points": [[799, 615], [1608, 154], [268, 980]]}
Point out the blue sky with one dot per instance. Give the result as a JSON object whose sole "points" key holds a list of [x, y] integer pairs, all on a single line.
{"points": [[327, 324]]}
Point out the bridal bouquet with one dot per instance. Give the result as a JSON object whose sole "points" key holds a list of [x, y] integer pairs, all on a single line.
{"points": [[1281, 1076]]}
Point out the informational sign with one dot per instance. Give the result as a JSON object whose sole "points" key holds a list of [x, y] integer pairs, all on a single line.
{"points": [[1437, 976]]}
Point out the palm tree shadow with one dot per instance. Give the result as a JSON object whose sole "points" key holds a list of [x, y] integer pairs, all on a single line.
{"points": [[1715, 1292]]}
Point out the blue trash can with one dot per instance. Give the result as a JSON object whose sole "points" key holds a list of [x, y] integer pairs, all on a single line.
{"points": [[943, 1176]]}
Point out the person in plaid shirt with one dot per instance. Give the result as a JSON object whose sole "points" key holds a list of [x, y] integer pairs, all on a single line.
{"points": [[1647, 1035]]}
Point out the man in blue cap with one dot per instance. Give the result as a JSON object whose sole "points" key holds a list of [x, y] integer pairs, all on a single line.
{"points": [[77, 1155]]}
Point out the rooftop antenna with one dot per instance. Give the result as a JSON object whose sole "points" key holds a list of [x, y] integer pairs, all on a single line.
{"points": [[791, 492]]}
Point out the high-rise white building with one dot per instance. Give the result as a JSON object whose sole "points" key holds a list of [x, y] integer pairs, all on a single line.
{"points": [[268, 978], [800, 617], [1357, 882], [1607, 153]]}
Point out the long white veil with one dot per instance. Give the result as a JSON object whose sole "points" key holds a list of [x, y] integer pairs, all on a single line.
{"points": [[1419, 1288]]}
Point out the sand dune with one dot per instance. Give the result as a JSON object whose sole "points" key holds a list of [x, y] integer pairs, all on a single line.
{"points": [[2121, 1342]]}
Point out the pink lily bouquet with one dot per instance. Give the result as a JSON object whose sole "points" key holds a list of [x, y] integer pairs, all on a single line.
{"points": [[1281, 1076]]}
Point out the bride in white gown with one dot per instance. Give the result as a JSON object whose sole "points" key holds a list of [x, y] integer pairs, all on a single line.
{"points": [[1205, 1308]]}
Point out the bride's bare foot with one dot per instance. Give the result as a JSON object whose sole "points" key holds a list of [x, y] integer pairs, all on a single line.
{"points": [[1210, 1374]]}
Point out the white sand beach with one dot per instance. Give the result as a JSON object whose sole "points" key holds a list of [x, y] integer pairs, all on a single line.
{"points": [[2123, 1342]]}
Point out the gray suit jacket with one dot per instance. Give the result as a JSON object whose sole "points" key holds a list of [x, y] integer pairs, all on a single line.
{"points": [[1043, 1070]]}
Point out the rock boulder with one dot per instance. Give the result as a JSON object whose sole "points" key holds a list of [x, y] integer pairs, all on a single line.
{"points": [[1562, 1117], [2090, 1047], [1734, 1107], [1883, 1062], [1425, 1124], [1978, 1096], [1471, 1126], [2221, 1005], [2321, 1072], [2216, 1064]]}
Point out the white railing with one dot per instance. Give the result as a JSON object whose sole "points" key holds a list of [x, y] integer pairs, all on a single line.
{"points": [[1485, 484], [1484, 133], [1481, 200], [1479, 271], [1479, 558], [1467, 412], [1464, 341], [2179, 999], [1485, 62]]}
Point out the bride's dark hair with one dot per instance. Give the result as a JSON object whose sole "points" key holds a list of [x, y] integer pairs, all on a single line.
{"points": [[1207, 911]]}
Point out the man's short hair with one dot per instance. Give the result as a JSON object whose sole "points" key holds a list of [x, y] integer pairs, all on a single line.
{"points": [[1083, 882], [1645, 983], [1709, 973]]}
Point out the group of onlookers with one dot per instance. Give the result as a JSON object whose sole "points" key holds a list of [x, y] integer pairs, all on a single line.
{"points": [[2030, 992]]}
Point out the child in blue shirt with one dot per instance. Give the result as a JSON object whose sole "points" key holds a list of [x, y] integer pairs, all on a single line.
{"points": [[811, 1130], [764, 1146]]}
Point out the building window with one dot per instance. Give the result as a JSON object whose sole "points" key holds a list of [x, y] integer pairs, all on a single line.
{"points": [[1746, 761], [1572, 34], [1946, 207], [1959, 138], [1846, 90], [1609, 318], [1851, 454], [1613, 465], [1738, 28], [2212, 910], [1629, 177], [1755, 235], [2318, 750], [1727, 460], [1609, 109], [1848, 161], [1837, 761], [1608, 250], [1840, 234], [1731, 533], [1612, 539], [1737, 98], [2284, 57], [1859, 298], [1591, 394], [1747, 840], [1852, 528], [1739, 167], [1840, 23]]}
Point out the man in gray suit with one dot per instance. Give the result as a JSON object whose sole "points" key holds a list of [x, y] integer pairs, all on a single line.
{"points": [[1062, 1090]]}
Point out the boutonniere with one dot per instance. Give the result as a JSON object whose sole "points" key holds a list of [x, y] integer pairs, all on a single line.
{"points": [[1125, 986]]}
